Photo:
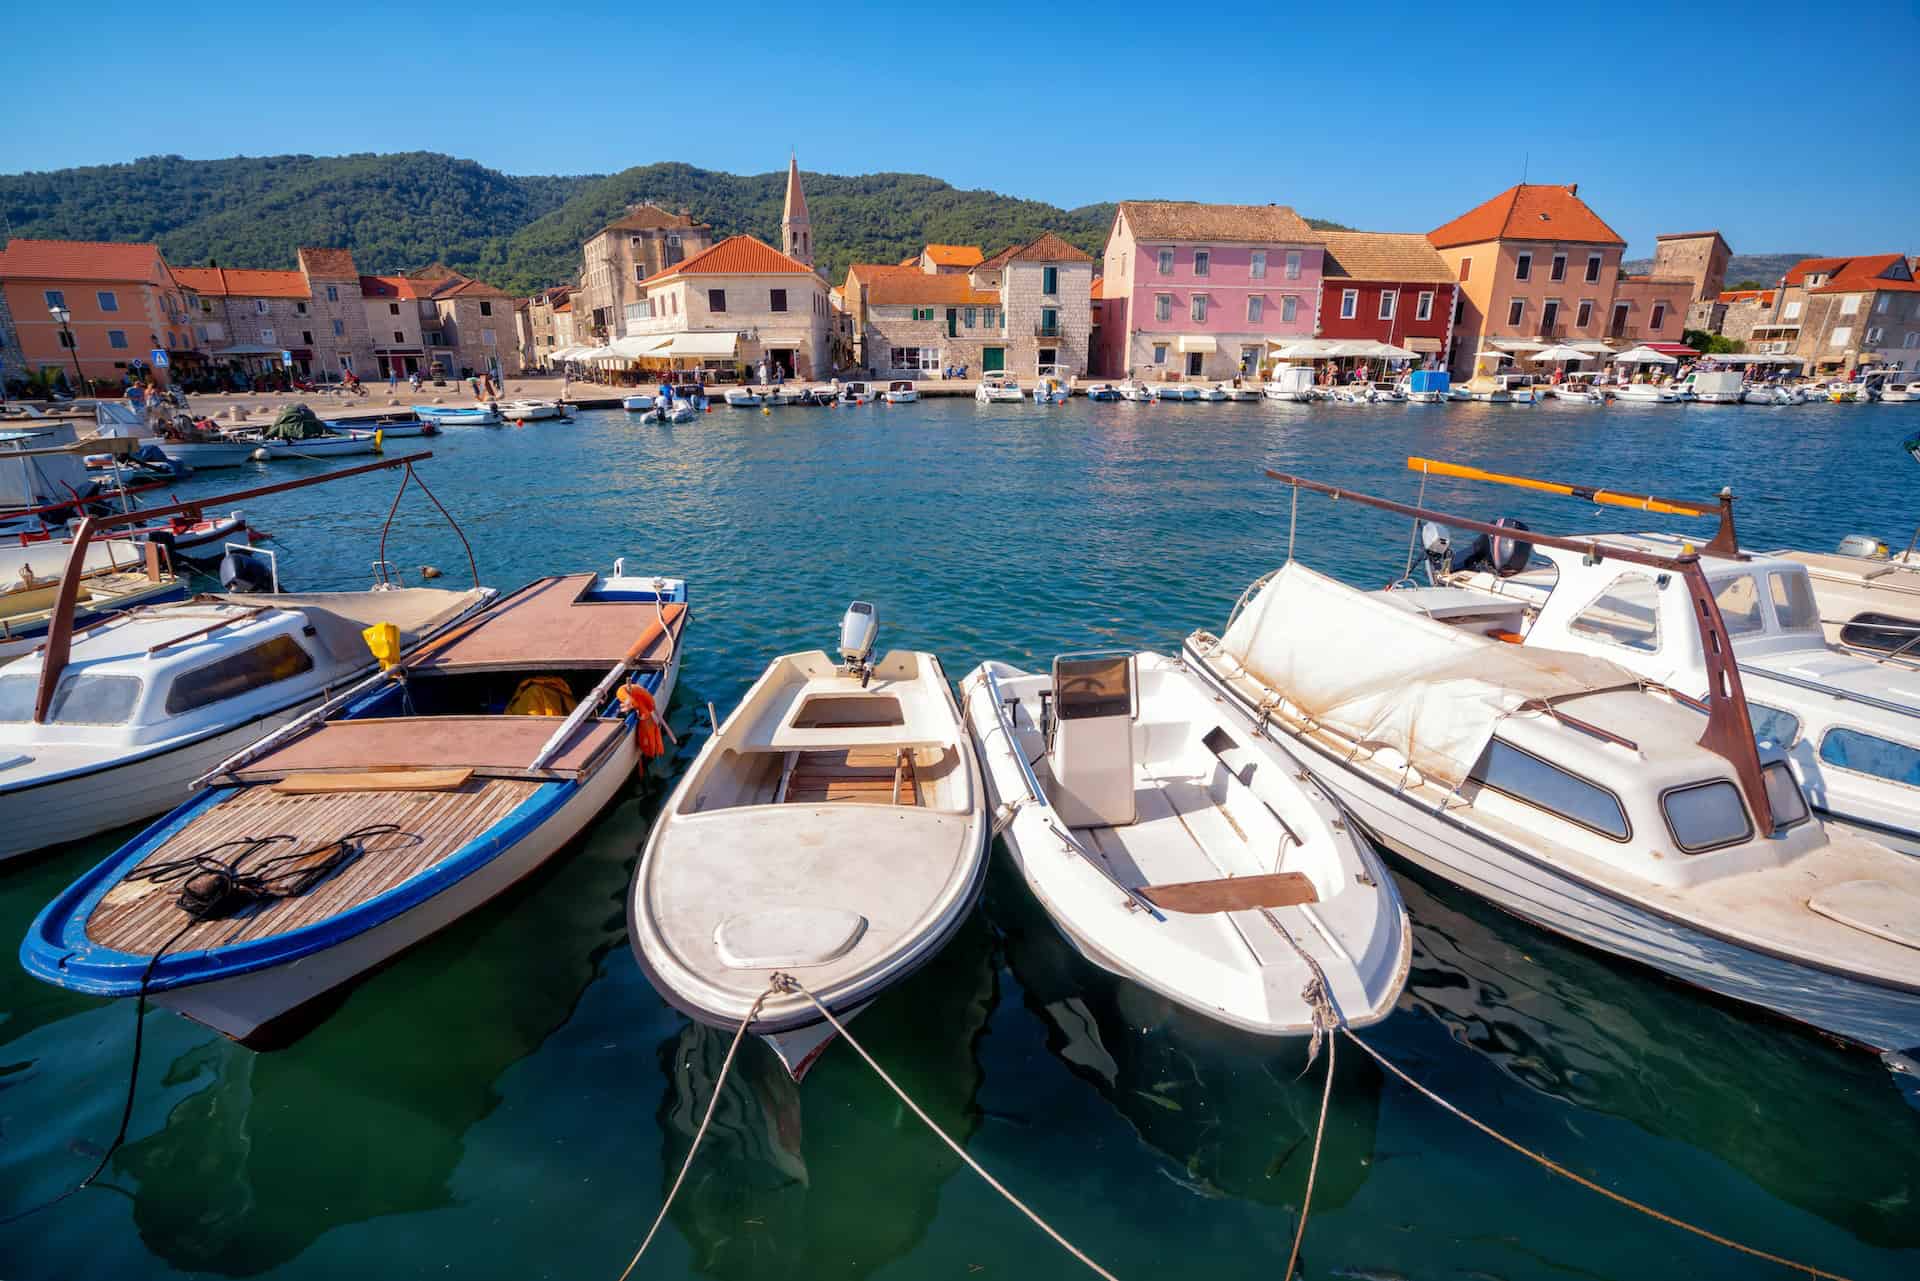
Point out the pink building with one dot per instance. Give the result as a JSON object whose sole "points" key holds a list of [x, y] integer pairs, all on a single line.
{"points": [[1197, 291]]}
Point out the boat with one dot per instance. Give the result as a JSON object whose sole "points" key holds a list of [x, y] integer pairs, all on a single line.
{"points": [[1578, 389], [199, 444], [111, 574], [855, 393], [1175, 392], [1562, 789], [832, 826], [744, 398], [1424, 386], [1714, 386], [1237, 390], [998, 389], [1351, 394], [1774, 394], [390, 426], [527, 411], [1899, 393], [1051, 390], [676, 411], [901, 392], [1844, 392], [487, 415], [380, 817], [1631, 393], [637, 403], [1102, 391], [1289, 382], [1135, 390], [1214, 393], [1175, 849], [330, 445]]}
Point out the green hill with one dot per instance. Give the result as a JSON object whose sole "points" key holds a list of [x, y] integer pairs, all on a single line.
{"points": [[407, 210]]}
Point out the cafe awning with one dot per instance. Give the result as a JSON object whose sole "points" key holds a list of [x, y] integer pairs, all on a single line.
{"points": [[1198, 342], [704, 344], [1426, 346], [636, 346], [1300, 348]]}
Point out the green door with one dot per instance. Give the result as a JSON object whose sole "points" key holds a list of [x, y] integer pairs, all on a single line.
{"points": [[993, 360], [953, 322]]}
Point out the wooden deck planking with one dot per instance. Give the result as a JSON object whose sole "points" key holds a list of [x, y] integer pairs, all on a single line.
{"points": [[860, 775], [444, 821], [547, 625]]}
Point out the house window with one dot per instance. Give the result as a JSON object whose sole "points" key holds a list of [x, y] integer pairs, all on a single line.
{"points": [[206, 306], [966, 317], [259, 306], [306, 337], [107, 301], [1163, 306], [776, 300], [1049, 323], [1523, 267], [266, 336], [1166, 262], [1466, 269], [117, 339], [1792, 311], [1289, 308], [1583, 315], [717, 301], [1459, 308], [486, 337], [398, 336], [300, 309], [1160, 353], [1387, 297], [339, 328], [1912, 339], [639, 271], [1349, 303], [1256, 309], [1659, 317], [1293, 264], [1549, 314], [1593, 269], [486, 308], [66, 339], [1257, 265], [1559, 268], [1849, 304], [1880, 304], [1050, 280], [1873, 335], [333, 293], [393, 309], [1202, 262], [56, 298], [1515, 311], [1199, 307], [989, 317]]}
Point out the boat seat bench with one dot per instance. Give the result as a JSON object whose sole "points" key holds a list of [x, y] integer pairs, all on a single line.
{"points": [[860, 775]]}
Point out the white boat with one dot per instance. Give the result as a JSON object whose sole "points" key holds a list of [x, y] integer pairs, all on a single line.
{"points": [[1289, 382], [744, 398], [901, 392], [1578, 389], [676, 411], [1351, 394], [1051, 390], [1135, 390], [1174, 848], [1214, 393], [1237, 391], [331, 445], [1631, 393], [1774, 394], [1845, 392], [487, 415], [855, 393], [998, 389], [1713, 386], [115, 574], [1560, 788], [207, 454], [381, 816], [637, 403], [389, 426], [527, 411], [833, 827], [1899, 393], [1178, 392], [1103, 391]]}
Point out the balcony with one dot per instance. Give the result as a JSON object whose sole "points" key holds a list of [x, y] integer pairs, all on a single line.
{"points": [[1055, 330]]}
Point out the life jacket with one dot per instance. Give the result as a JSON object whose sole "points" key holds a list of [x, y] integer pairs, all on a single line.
{"points": [[542, 696], [635, 698]]}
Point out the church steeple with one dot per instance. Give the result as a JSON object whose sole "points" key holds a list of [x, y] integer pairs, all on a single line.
{"points": [[796, 232]]}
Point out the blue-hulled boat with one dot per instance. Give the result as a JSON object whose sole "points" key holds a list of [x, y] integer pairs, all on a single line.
{"points": [[387, 813], [487, 415]]}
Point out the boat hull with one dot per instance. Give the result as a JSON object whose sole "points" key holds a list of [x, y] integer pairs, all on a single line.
{"points": [[203, 456], [321, 447]]}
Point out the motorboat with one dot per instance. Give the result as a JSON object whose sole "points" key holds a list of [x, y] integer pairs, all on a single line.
{"points": [[1489, 389], [1173, 847], [1135, 390], [1424, 386], [1102, 391], [832, 827], [901, 392], [527, 411], [674, 411], [389, 426], [1578, 389], [1289, 382], [1899, 393], [1351, 394], [998, 388], [200, 446], [111, 575], [638, 403], [1562, 789], [1714, 386], [1237, 390], [1631, 393], [391, 810], [1385, 392], [1176, 391], [1844, 392], [487, 415], [331, 445], [1774, 394], [856, 393], [1051, 389], [744, 398], [1213, 393]]}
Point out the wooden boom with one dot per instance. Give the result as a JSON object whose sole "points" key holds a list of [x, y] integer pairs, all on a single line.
{"points": [[1723, 543]]}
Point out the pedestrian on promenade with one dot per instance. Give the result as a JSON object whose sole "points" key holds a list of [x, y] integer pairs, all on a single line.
{"points": [[393, 378]]}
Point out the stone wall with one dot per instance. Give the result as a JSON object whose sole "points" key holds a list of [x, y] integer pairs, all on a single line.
{"points": [[1023, 302]]}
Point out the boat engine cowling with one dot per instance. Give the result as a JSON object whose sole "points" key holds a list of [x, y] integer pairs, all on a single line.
{"points": [[245, 574], [1865, 545], [1500, 554]]}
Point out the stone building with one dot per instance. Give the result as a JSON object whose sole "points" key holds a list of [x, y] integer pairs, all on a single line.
{"points": [[316, 314], [543, 332], [1697, 256], [436, 320], [1840, 314], [643, 242], [731, 307], [796, 227]]}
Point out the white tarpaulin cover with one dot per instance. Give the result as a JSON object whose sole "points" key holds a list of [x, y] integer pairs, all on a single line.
{"points": [[1383, 676], [706, 344]]}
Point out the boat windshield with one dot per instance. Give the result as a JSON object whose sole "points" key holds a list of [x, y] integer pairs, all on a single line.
{"points": [[82, 699]]}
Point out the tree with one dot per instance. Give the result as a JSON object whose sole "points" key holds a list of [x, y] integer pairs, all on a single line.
{"points": [[1746, 284], [1710, 344]]}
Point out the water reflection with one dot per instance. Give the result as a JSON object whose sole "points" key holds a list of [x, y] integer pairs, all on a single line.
{"points": [[836, 1178]]}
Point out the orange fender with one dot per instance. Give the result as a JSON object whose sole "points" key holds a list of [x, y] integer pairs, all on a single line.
{"points": [[635, 698]]}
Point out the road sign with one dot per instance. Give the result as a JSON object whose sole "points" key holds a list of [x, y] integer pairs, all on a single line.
{"points": [[286, 359], [159, 358]]}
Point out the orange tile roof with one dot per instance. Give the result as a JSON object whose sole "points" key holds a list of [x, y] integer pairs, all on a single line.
{"points": [[953, 255], [915, 288], [1798, 273], [243, 282], [328, 262], [79, 260], [388, 287], [1048, 247], [563, 307], [1529, 211], [1745, 295], [736, 256], [647, 217], [1861, 275], [1192, 220], [1384, 256], [1692, 235]]}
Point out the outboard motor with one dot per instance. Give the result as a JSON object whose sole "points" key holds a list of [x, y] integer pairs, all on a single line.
{"points": [[1507, 555], [859, 628], [1499, 554], [245, 573], [1863, 545]]}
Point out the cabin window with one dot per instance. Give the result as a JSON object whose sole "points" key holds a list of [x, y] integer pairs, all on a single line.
{"points": [[278, 659], [1627, 614], [1879, 631], [1793, 604], [1349, 303], [1771, 726], [1528, 779], [1706, 816], [1523, 267], [82, 699], [1739, 602], [1849, 749], [1088, 687], [1784, 798]]}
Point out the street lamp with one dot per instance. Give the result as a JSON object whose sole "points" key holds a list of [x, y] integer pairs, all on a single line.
{"points": [[60, 317]]}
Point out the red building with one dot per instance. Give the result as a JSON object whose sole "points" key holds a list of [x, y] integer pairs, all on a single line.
{"points": [[1387, 286]]}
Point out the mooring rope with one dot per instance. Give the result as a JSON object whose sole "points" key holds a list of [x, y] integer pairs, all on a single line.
{"points": [[788, 983], [1561, 1170], [719, 1085], [1326, 1021]]}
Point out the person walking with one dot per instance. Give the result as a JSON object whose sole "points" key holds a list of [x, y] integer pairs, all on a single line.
{"points": [[393, 378]]}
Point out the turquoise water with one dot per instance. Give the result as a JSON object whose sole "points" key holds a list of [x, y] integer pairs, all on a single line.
{"points": [[511, 1099]]}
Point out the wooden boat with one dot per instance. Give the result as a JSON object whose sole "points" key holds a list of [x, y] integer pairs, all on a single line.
{"points": [[113, 574], [1176, 849], [402, 804], [832, 827], [1562, 789]]}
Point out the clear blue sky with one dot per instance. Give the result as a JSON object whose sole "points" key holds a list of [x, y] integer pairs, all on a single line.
{"points": [[1788, 127]]}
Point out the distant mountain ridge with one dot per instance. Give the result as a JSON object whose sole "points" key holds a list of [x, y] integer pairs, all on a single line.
{"points": [[1765, 268], [520, 233]]}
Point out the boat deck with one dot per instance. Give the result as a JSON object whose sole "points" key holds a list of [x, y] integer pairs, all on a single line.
{"points": [[546, 625], [485, 744], [860, 776], [138, 916]]}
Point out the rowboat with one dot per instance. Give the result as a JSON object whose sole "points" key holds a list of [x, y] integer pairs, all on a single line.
{"points": [[1564, 790], [332, 445], [204, 455], [1175, 391], [467, 416], [1135, 390], [1173, 847], [831, 827], [390, 426], [901, 392], [527, 411], [744, 398], [380, 817], [1102, 391]]}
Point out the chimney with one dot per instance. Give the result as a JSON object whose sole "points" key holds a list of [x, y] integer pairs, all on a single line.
{"points": [[1573, 189]]}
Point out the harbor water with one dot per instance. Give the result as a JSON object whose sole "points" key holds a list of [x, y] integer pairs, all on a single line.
{"points": [[511, 1099]]}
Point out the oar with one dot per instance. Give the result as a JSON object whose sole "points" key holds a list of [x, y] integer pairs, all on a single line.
{"points": [[1724, 541], [600, 694]]}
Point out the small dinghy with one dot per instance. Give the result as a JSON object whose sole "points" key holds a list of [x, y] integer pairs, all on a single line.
{"points": [[1175, 849], [832, 829], [527, 411], [744, 398], [388, 812], [487, 415]]}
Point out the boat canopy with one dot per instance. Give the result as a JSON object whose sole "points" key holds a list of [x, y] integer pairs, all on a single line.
{"points": [[1433, 694]]}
